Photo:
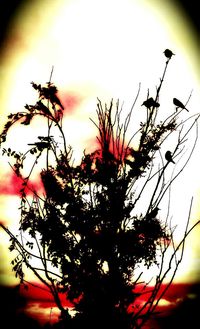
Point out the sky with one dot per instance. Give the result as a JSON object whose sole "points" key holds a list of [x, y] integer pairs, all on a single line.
{"points": [[98, 49]]}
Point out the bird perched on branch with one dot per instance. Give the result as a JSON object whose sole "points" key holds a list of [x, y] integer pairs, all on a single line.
{"points": [[178, 103], [168, 156], [150, 103], [153, 213], [41, 145], [168, 53]]}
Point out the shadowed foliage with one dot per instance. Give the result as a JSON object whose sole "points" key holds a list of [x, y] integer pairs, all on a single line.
{"points": [[85, 230], [12, 310]]}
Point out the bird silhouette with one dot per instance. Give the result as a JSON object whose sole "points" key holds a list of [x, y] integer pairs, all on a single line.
{"points": [[178, 103], [153, 213], [150, 103], [168, 156], [168, 53], [41, 145]]}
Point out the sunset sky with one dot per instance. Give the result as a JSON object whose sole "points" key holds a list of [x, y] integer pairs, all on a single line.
{"points": [[104, 49]]}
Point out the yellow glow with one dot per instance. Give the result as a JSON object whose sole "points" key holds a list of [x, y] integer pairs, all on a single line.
{"points": [[164, 302], [102, 49], [9, 213]]}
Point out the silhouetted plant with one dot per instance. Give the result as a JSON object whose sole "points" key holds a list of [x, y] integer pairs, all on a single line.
{"points": [[87, 228], [12, 312]]}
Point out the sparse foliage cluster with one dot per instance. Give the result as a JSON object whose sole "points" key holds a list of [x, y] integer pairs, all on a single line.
{"points": [[83, 228]]}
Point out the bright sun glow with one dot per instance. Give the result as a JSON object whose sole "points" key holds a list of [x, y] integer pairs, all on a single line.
{"points": [[101, 49]]}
